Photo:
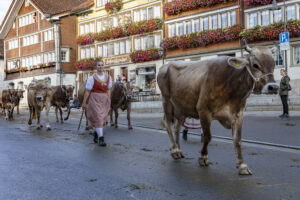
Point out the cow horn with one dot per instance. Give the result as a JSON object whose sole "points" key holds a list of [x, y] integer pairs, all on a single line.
{"points": [[247, 48]]}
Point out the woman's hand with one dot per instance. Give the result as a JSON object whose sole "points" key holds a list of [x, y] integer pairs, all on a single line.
{"points": [[83, 106]]}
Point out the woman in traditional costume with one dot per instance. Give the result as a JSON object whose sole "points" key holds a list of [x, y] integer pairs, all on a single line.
{"points": [[98, 96]]}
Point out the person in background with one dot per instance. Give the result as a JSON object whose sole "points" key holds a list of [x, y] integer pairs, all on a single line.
{"points": [[124, 79], [283, 92], [75, 103], [98, 92], [118, 79]]}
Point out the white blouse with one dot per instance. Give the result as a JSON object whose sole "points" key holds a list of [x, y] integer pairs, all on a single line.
{"points": [[90, 82]]}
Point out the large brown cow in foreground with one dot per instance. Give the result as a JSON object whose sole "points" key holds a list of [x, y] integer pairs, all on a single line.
{"points": [[8, 100], [215, 89], [61, 98], [120, 98], [39, 96]]}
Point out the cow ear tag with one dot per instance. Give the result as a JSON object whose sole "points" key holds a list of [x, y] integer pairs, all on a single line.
{"points": [[238, 64]]}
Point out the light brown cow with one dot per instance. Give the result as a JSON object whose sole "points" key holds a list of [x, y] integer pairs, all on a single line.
{"points": [[215, 89], [61, 98], [39, 96], [8, 100], [120, 98]]}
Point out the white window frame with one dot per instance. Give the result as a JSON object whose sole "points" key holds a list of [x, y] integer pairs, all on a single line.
{"points": [[67, 58]]}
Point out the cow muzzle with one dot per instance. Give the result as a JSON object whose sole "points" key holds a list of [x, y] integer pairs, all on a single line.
{"points": [[270, 88], [39, 98]]}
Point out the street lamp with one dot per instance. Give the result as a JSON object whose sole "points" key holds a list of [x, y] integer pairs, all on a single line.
{"points": [[275, 7]]}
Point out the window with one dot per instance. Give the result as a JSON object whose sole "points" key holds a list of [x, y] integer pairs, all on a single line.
{"points": [[27, 19], [88, 53], [196, 25], [99, 3], [136, 15], [232, 18], [157, 11], [122, 47], [278, 58], [92, 49], [224, 20], [92, 27], [13, 44], [214, 22], [205, 23], [143, 14], [48, 35], [26, 3], [179, 28], [99, 26], [253, 20], [110, 50], [82, 53], [171, 30], [144, 43], [150, 42], [100, 51], [128, 46], [150, 13], [290, 13], [81, 29], [265, 18], [157, 40], [297, 55], [115, 21], [105, 51], [277, 15], [117, 48], [30, 40], [137, 44], [188, 27]]}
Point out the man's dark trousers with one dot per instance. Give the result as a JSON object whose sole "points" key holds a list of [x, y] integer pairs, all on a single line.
{"points": [[284, 100]]}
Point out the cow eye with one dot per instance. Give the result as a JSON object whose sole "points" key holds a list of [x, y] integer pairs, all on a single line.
{"points": [[256, 66]]}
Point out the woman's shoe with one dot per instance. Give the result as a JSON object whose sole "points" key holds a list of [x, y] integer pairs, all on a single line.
{"points": [[101, 142]]}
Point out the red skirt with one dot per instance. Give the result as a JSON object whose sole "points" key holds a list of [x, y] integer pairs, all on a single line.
{"points": [[98, 108]]}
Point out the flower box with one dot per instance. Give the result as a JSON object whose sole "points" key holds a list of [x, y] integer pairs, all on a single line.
{"points": [[258, 2], [272, 31], [113, 6], [203, 38], [178, 6], [87, 64], [134, 28], [145, 55]]}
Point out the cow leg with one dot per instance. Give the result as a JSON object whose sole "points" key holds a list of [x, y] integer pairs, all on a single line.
{"points": [[175, 151], [237, 137], [30, 115], [61, 114], [128, 116], [56, 114], [48, 106], [177, 133], [6, 114], [205, 123], [116, 117], [38, 115], [69, 111], [111, 113], [18, 109]]}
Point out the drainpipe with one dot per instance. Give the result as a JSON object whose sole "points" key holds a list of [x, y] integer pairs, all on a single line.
{"points": [[58, 50]]}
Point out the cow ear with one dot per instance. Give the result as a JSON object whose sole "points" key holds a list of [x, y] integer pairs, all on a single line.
{"points": [[238, 63]]}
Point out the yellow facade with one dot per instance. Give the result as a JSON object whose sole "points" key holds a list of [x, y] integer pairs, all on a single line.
{"points": [[116, 52]]}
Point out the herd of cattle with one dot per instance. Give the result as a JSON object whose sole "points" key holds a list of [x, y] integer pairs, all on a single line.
{"points": [[40, 95]]}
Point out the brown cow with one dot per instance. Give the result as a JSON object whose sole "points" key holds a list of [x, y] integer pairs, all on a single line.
{"points": [[8, 99], [39, 96], [215, 89], [80, 95], [61, 98], [120, 98]]}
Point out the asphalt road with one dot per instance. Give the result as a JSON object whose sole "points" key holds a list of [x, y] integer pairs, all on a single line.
{"points": [[65, 164]]}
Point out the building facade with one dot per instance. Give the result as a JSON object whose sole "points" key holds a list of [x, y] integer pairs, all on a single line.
{"points": [[39, 42], [198, 32], [269, 20], [126, 35], [2, 73]]}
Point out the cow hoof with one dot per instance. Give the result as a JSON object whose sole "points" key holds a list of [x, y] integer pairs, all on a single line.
{"points": [[130, 128], [86, 128], [203, 161], [39, 128], [176, 154], [112, 124], [66, 119], [91, 132], [244, 170], [29, 123], [62, 122], [116, 126]]}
